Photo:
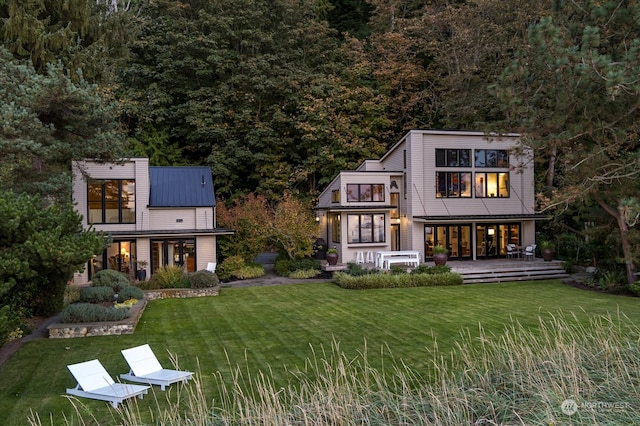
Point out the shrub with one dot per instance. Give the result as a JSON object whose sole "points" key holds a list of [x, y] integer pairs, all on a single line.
{"points": [[282, 266], [167, 277], [110, 278], [302, 274], [203, 279], [235, 267], [248, 271], [357, 270], [96, 294], [131, 292], [229, 266], [285, 266], [396, 281], [71, 295], [435, 269], [88, 312]]}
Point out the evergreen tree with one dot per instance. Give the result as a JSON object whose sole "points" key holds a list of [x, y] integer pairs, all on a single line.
{"points": [[47, 122], [574, 94]]}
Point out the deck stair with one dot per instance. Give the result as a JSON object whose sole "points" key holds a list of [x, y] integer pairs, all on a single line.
{"points": [[513, 270]]}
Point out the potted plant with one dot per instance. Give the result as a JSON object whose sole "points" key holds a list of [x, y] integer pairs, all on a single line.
{"points": [[332, 256], [546, 250], [141, 272], [440, 255]]}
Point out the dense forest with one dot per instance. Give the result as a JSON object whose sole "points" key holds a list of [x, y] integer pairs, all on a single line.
{"points": [[277, 96]]}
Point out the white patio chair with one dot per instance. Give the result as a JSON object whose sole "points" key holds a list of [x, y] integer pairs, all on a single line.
{"points": [[530, 252], [145, 368], [95, 383]]}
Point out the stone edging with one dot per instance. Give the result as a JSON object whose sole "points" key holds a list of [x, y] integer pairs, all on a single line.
{"points": [[128, 325]]}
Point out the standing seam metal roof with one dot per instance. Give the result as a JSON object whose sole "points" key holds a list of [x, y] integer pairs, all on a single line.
{"points": [[181, 187]]}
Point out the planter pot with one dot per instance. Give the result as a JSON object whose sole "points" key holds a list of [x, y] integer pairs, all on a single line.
{"points": [[142, 274], [547, 254], [440, 258], [332, 258]]}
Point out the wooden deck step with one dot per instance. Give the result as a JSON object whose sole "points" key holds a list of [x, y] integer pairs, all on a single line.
{"points": [[511, 271]]}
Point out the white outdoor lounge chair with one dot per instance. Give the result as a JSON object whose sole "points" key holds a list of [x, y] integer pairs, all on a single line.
{"points": [[94, 382], [145, 368]]}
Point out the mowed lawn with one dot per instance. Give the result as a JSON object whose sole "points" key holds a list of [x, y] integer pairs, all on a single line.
{"points": [[275, 329]]}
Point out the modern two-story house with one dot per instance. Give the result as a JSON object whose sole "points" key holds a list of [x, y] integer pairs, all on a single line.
{"points": [[466, 191], [155, 216]]}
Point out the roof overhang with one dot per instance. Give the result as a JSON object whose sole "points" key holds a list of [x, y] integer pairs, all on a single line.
{"points": [[171, 233], [480, 218], [352, 208]]}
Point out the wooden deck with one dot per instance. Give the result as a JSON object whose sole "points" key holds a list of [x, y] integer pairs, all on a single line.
{"points": [[496, 270], [501, 270]]}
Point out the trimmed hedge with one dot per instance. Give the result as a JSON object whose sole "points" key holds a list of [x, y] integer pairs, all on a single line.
{"points": [[396, 281], [203, 279], [110, 278], [96, 294], [131, 292], [87, 312]]}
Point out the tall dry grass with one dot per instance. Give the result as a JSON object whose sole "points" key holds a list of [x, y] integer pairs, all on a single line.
{"points": [[519, 377]]}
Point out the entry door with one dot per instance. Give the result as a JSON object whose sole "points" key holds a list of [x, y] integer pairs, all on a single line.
{"points": [[395, 237]]}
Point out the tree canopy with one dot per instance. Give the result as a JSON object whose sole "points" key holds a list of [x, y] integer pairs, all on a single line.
{"points": [[47, 121]]}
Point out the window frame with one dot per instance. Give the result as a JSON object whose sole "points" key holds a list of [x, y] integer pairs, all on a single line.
{"points": [[448, 191], [490, 187], [106, 204], [500, 158], [445, 157], [367, 223], [365, 193]]}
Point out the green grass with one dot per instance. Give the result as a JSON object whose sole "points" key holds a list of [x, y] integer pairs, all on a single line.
{"points": [[278, 328]]}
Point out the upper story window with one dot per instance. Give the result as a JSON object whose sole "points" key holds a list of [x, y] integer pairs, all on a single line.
{"points": [[492, 185], [492, 158], [335, 196], [395, 202], [112, 201], [453, 157], [453, 184], [365, 192]]}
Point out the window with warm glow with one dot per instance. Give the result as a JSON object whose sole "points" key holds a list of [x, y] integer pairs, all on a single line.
{"points": [[112, 201]]}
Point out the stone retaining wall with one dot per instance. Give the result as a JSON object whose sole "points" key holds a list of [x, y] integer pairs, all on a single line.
{"points": [[179, 293], [107, 328], [128, 325]]}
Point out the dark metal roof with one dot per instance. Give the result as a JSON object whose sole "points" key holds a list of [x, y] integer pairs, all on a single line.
{"points": [[181, 187]]}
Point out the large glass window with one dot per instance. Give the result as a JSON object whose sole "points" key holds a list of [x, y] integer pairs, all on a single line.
{"points": [[492, 158], [453, 184], [366, 228], [173, 253], [453, 157], [492, 185], [112, 201], [365, 192]]}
